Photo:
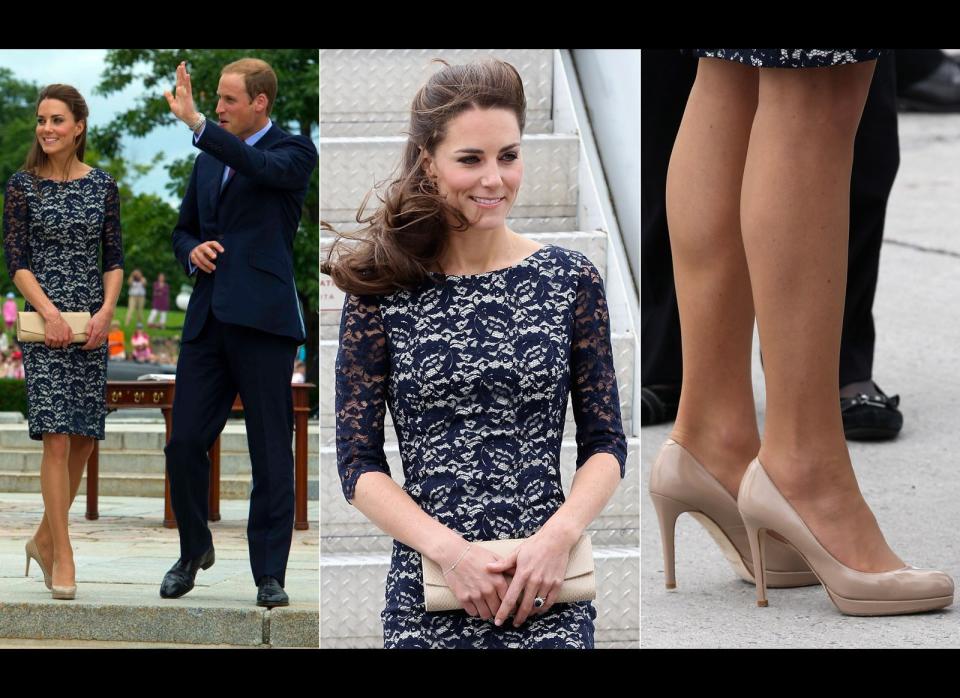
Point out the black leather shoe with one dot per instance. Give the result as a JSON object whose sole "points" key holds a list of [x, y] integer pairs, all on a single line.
{"points": [[270, 593], [871, 417], [179, 580], [938, 92], [658, 403]]}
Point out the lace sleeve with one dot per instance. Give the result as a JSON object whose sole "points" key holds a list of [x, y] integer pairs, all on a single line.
{"points": [[362, 368], [111, 240], [16, 227], [593, 381]]}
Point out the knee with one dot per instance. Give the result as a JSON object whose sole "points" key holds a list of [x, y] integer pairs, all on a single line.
{"points": [[56, 446]]}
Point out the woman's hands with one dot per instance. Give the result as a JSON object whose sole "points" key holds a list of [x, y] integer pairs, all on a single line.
{"points": [[538, 567], [57, 333], [477, 588], [98, 328]]}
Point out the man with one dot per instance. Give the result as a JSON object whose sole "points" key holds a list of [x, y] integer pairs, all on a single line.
{"points": [[244, 322]]}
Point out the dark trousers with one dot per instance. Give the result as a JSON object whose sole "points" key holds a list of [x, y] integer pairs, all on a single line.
{"points": [[666, 79], [222, 361]]}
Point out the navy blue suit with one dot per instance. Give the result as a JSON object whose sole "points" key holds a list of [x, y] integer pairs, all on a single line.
{"points": [[240, 334]]}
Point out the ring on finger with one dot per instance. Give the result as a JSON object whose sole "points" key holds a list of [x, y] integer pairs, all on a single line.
{"points": [[539, 601]]}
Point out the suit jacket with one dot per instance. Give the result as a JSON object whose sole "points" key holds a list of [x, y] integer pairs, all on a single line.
{"points": [[255, 218]]}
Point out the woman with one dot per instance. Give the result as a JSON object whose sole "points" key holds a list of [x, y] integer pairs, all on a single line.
{"points": [[758, 196], [160, 302], [59, 215], [474, 336], [136, 295]]}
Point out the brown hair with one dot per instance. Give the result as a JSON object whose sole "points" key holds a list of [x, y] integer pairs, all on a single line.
{"points": [[36, 158], [402, 240], [258, 77]]}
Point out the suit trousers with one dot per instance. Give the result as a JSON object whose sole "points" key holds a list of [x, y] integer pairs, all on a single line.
{"points": [[666, 79], [222, 361]]}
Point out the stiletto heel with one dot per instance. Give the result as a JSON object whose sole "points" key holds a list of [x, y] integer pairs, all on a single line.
{"points": [[33, 551], [757, 538], [678, 484], [668, 510], [855, 593]]}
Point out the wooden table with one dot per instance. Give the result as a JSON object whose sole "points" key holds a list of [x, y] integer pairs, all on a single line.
{"points": [[159, 395]]}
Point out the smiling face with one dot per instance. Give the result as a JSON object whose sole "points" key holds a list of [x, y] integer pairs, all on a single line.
{"points": [[237, 112], [57, 131], [478, 167]]}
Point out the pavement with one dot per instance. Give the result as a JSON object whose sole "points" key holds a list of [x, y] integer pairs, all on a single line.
{"points": [[121, 559], [912, 484]]}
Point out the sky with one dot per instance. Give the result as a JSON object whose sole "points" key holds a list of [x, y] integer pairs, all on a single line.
{"points": [[82, 69]]}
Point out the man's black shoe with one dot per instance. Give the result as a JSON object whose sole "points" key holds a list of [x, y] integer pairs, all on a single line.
{"points": [[270, 593], [658, 403], [871, 417], [179, 580], [938, 92]]}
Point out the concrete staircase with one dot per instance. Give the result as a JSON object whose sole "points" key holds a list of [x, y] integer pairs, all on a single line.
{"points": [[132, 462], [122, 557], [365, 97]]}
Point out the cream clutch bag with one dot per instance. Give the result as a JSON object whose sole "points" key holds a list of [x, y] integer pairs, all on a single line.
{"points": [[31, 326], [579, 582]]}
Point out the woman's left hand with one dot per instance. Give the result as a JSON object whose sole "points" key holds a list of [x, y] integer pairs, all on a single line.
{"points": [[98, 327], [538, 567]]}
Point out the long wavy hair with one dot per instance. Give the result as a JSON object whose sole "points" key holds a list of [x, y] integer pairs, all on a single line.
{"points": [[399, 243], [37, 160]]}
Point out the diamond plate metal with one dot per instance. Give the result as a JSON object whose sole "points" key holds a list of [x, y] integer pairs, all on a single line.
{"points": [[624, 346], [368, 92], [592, 244], [352, 596], [342, 525], [350, 167]]}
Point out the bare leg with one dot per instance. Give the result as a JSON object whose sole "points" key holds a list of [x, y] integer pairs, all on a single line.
{"points": [[80, 448], [795, 218], [55, 487], [716, 420]]}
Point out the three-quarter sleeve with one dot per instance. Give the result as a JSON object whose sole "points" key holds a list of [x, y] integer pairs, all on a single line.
{"points": [[16, 226], [362, 369], [111, 239], [593, 380]]}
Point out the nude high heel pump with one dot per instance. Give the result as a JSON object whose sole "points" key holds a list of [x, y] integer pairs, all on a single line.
{"points": [[680, 484], [34, 552], [905, 590]]}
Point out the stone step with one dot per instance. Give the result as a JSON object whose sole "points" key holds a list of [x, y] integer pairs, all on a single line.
{"points": [[592, 244], [345, 530], [352, 597], [624, 346], [137, 485], [116, 621], [140, 436], [132, 462], [368, 92], [350, 167]]}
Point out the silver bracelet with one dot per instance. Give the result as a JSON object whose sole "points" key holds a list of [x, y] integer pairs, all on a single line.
{"points": [[462, 555], [199, 124]]}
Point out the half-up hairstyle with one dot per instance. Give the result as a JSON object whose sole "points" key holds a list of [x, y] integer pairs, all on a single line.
{"points": [[402, 240]]}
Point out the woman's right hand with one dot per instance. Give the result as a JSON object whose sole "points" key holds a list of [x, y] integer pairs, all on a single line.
{"points": [[478, 590], [57, 333]]}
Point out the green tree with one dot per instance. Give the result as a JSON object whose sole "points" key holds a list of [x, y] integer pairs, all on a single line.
{"points": [[18, 116], [296, 110]]}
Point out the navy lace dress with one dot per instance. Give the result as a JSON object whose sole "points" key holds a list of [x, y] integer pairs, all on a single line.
{"points": [[476, 371], [791, 57], [57, 230]]}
